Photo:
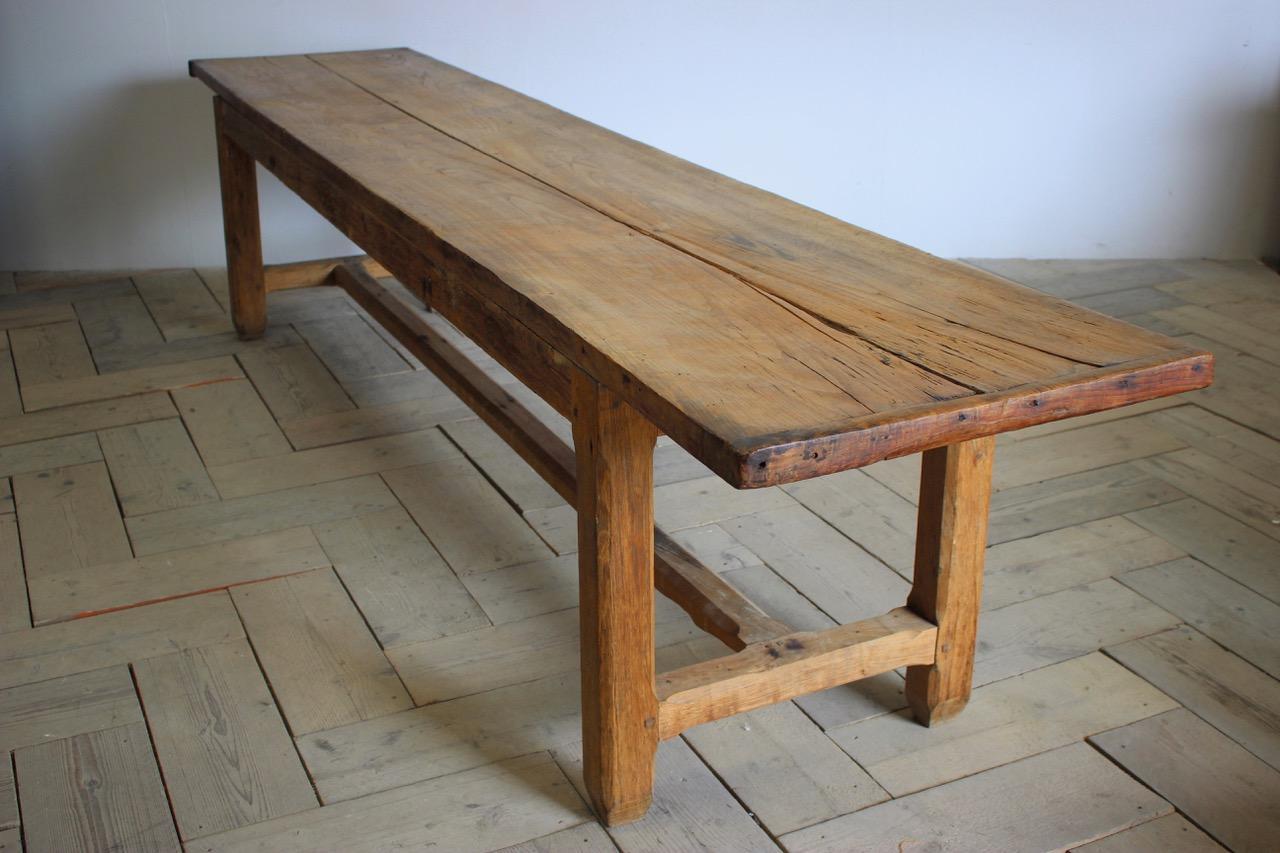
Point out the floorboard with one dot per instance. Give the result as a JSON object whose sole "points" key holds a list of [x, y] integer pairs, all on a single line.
{"points": [[291, 594]]}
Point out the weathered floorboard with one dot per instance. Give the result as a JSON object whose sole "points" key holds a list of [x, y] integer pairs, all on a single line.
{"points": [[96, 791], [1211, 779], [326, 670], [226, 755], [1051, 801]]}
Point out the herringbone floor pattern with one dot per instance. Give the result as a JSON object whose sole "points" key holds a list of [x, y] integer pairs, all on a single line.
{"points": [[291, 595]]}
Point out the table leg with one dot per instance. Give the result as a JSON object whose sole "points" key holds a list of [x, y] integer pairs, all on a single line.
{"points": [[614, 447], [242, 231], [951, 537]]}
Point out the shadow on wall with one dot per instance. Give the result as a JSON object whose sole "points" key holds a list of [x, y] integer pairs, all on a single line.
{"points": [[134, 174]]}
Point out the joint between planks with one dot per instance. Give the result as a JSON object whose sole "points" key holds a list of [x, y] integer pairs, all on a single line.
{"points": [[791, 665]]}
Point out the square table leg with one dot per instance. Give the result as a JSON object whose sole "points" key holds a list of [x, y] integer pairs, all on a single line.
{"points": [[241, 230], [614, 447], [951, 538]]}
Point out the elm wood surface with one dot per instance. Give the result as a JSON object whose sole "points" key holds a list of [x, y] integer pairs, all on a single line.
{"points": [[242, 231], [790, 666], [951, 541], [614, 446], [772, 342], [314, 273]]}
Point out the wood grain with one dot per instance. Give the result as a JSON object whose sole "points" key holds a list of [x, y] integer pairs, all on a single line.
{"points": [[33, 456], [515, 478], [49, 353], [69, 520], [866, 358], [117, 322], [166, 377], [1051, 801], [1216, 539], [154, 467], [1024, 569], [96, 791], [715, 606], [187, 571], [1007, 720], [1211, 779], [404, 589], [513, 652], [294, 383], [249, 516], [543, 371], [955, 489], [1217, 606], [620, 716], [712, 603], [587, 838], [387, 419], [243, 235], [466, 519], [1060, 626], [68, 420], [1235, 698], [67, 706], [1169, 834], [878, 519], [180, 303], [213, 345], [783, 768], [227, 758], [1075, 499], [35, 314], [326, 669], [791, 666], [115, 638], [447, 737], [338, 462], [229, 423], [824, 566], [692, 809], [351, 347], [471, 812]]}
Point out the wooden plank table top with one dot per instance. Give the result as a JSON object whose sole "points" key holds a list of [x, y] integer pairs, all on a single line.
{"points": [[770, 340]]}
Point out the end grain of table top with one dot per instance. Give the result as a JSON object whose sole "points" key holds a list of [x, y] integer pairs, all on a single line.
{"points": [[772, 341]]}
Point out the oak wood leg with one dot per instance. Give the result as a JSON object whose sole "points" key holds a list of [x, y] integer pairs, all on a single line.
{"points": [[614, 447], [951, 537], [241, 230]]}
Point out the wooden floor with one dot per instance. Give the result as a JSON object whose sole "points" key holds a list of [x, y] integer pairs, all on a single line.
{"points": [[291, 595]]}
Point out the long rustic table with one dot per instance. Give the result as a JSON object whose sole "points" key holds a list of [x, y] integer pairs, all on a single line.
{"points": [[640, 294]]}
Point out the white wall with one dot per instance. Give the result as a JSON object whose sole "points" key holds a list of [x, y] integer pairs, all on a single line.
{"points": [[1038, 128]]}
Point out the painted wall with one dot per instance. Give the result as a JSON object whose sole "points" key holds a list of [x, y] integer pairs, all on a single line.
{"points": [[1090, 128]]}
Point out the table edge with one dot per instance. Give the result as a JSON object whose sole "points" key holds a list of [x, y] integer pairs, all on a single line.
{"points": [[773, 460], [779, 458]]}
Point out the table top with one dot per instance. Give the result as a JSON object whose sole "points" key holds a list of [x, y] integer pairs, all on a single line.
{"points": [[770, 340]]}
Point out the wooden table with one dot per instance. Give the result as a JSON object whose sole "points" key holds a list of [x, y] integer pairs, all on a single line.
{"points": [[640, 294]]}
